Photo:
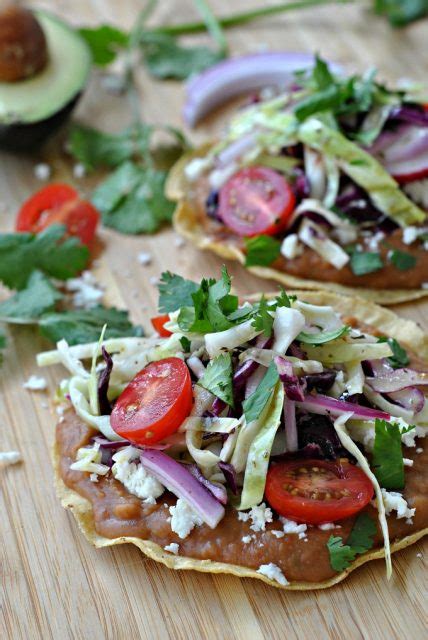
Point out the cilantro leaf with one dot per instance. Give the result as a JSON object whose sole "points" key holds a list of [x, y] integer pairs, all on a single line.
{"points": [[401, 12], [104, 42], [79, 327], [322, 336], [399, 356], [364, 529], [387, 460], [402, 260], [283, 300], [165, 58], [30, 303], [2, 344], [50, 252], [261, 250], [132, 199], [186, 344], [94, 148], [218, 378], [360, 540], [263, 321], [321, 74], [254, 405], [175, 292], [363, 262], [341, 555]]}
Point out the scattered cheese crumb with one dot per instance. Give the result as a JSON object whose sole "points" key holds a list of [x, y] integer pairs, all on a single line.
{"points": [[407, 462], [179, 242], [87, 292], [273, 572], [172, 548], [277, 533], [327, 526], [35, 383], [419, 555], [134, 476], [259, 516], [394, 501], [93, 477], [410, 234], [144, 258], [419, 450], [154, 280], [10, 457], [183, 518], [42, 171], [290, 526], [374, 240], [79, 171], [246, 539]]}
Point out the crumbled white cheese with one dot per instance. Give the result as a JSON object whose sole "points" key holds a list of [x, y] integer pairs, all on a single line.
{"points": [[407, 462], [273, 572], [144, 258], [10, 457], [154, 281], [87, 292], [289, 526], [135, 477], [394, 501], [172, 548], [246, 539], [314, 236], [89, 459], [259, 516], [277, 533], [183, 518], [42, 171], [327, 526], [93, 477], [419, 555], [79, 171], [179, 242], [410, 234], [291, 247], [219, 176], [374, 240], [196, 167], [35, 383], [419, 450]]}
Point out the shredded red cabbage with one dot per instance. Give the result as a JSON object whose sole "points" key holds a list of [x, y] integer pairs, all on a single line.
{"points": [[103, 382], [229, 473], [218, 491], [293, 387]]}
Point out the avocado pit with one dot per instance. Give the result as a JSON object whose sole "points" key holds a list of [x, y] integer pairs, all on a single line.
{"points": [[23, 46]]}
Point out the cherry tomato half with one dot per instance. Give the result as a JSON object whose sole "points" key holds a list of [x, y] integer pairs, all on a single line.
{"points": [[155, 402], [256, 200], [59, 204], [317, 491], [158, 323]]}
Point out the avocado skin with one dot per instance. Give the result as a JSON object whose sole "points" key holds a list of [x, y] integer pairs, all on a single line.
{"points": [[19, 137]]}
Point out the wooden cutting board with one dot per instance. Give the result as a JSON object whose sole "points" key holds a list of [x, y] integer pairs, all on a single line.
{"points": [[54, 585]]}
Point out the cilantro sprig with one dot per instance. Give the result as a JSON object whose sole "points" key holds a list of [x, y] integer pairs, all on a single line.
{"points": [[359, 541], [387, 461], [399, 356], [218, 378]]}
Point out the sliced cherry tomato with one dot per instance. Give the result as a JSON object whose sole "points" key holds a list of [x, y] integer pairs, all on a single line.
{"points": [[158, 323], [155, 402], [317, 491], [59, 204], [256, 200]]}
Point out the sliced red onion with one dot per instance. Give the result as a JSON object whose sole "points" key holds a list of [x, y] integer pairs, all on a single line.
{"points": [[176, 478], [294, 390], [410, 170], [229, 473], [291, 438], [413, 114], [218, 491], [238, 76], [397, 379], [237, 149], [388, 138], [322, 381], [324, 405], [218, 407], [110, 444], [412, 399], [411, 143]]}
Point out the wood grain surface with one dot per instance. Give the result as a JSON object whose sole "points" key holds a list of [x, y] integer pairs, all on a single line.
{"points": [[53, 584]]}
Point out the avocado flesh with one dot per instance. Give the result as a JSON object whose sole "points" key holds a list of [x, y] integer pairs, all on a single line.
{"points": [[33, 109]]}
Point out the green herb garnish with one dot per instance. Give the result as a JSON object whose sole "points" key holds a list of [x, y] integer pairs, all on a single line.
{"points": [[359, 541]]}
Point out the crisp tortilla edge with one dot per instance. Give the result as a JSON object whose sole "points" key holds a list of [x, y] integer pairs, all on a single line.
{"points": [[406, 331], [186, 223]]}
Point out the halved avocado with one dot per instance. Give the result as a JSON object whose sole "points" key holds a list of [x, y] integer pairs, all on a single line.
{"points": [[34, 108]]}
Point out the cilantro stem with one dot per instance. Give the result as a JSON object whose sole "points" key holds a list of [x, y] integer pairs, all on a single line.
{"points": [[236, 19], [212, 25]]}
